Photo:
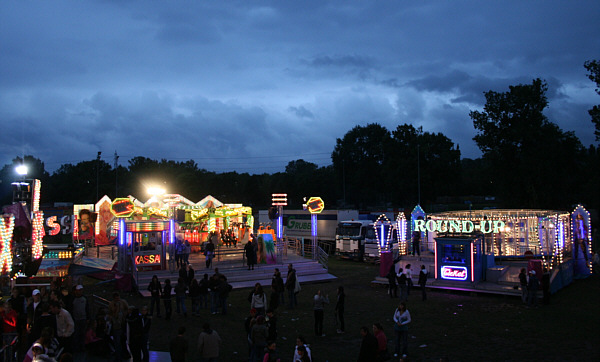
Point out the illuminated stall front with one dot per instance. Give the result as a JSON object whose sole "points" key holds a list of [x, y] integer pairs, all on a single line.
{"points": [[468, 236], [144, 243]]}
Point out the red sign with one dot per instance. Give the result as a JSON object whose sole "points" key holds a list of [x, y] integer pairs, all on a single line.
{"points": [[454, 272], [148, 259]]}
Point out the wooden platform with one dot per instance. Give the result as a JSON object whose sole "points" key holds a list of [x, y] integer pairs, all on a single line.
{"points": [[231, 263]]}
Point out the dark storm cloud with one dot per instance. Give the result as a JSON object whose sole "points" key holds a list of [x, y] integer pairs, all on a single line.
{"points": [[231, 81]]}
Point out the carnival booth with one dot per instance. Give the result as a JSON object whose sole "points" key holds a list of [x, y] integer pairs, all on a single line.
{"points": [[144, 243], [508, 235], [459, 258]]}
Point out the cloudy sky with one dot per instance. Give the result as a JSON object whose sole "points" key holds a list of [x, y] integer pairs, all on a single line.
{"points": [[252, 85]]}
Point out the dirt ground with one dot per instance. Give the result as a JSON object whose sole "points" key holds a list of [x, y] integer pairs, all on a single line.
{"points": [[459, 326]]}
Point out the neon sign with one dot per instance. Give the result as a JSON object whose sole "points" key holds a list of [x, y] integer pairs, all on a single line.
{"points": [[458, 226], [148, 259], [315, 205], [454, 272], [122, 207]]}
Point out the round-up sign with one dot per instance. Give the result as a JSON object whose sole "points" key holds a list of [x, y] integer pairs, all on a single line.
{"points": [[122, 207], [315, 205]]}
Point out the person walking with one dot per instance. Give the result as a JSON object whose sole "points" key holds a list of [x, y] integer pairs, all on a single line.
{"points": [[523, 284], [290, 285], [154, 288], [187, 250], [319, 303], [339, 309], [179, 346], [401, 321], [423, 281], [65, 326], [209, 343], [166, 297]]}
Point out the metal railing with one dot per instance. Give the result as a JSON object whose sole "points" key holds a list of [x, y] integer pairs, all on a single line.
{"points": [[323, 257]]}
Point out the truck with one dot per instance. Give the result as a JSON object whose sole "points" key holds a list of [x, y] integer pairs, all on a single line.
{"points": [[358, 239], [297, 224]]}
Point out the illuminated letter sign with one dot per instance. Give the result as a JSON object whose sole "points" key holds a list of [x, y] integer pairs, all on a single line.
{"points": [[148, 259], [53, 225], [315, 205], [454, 272], [122, 207]]}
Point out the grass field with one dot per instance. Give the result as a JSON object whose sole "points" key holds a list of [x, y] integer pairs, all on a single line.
{"points": [[462, 327]]}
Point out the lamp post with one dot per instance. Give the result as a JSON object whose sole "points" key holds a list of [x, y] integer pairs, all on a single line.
{"points": [[98, 175]]}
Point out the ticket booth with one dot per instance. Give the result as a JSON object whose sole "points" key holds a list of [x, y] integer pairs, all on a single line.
{"points": [[144, 243], [458, 259]]}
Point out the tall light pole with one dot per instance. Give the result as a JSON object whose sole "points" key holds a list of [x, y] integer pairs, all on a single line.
{"points": [[98, 176]]}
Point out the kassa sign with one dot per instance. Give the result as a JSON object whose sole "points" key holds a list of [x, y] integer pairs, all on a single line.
{"points": [[147, 259]]}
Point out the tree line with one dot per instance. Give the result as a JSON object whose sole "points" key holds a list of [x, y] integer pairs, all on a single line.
{"points": [[527, 162]]}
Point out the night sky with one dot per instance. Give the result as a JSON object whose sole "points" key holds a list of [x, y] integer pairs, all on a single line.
{"points": [[251, 85]]}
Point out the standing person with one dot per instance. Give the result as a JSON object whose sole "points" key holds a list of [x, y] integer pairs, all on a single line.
{"points": [[409, 282], [249, 249], [190, 275], [180, 289], [135, 333], [203, 284], [303, 354], [209, 252], [209, 343], [401, 277], [258, 335], [416, 239], [195, 295], [290, 285], [301, 345], [214, 292], [117, 312], [271, 352], [368, 346], [166, 297], [179, 248], [179, 346], [339, 309], [80, 311], [146, 324], [187, 250], [523, 284], [401, 321], [154, 288], [223, 289], [382, 352], [183, 273], [392, 286], [533, 287], [271, 322], [546, 286], [65, 326], [423, 281], [319, 303], [259, 299], [277, 289]]}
